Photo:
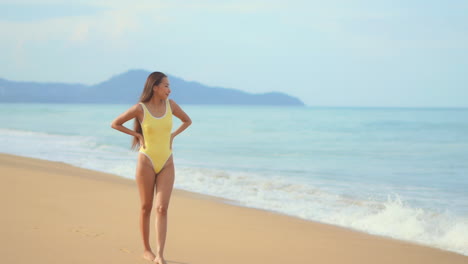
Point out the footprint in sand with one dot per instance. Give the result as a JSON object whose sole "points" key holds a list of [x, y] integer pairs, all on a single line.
{"points": [[84, 232], [125, 250]]}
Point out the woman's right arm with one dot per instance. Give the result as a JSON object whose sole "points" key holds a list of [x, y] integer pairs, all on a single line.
{"points": [[133, 112]]}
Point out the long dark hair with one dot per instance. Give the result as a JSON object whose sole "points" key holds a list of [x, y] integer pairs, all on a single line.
{"points": [[153, 79]]}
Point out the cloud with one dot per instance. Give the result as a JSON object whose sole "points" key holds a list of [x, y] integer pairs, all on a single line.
{"points": [[34, 12], [110, 28], [377, 30], [225, 6], [81, 32], [106, 24], [19, 55]]}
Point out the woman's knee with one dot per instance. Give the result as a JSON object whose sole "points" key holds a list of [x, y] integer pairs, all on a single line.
{"points": [[161, 209], [146, 208]]}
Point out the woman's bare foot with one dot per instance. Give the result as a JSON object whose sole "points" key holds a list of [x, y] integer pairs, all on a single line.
{"points": [[148, 255], [159, 260]]}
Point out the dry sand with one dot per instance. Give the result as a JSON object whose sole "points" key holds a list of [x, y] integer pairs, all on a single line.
{"points": [[57, 213]]}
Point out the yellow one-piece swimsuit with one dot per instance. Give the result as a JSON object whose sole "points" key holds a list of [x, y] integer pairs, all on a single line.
{"points": [[157, 136]]}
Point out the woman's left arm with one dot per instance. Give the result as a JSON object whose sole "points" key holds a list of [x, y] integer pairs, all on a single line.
{"points": [[178, 112]]}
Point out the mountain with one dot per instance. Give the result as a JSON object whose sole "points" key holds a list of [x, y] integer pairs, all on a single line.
{"points": [[127, 87]]}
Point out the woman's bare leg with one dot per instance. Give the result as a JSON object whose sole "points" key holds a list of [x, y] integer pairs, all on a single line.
{"points": [[164, 185], [145, 179]]}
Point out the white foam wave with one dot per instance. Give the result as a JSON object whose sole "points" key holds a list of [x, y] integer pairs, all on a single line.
{"points": [[392, 218], [81, 151]]}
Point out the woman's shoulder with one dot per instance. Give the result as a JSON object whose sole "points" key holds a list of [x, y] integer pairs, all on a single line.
{"points": [[172, 103], [138, 107]]}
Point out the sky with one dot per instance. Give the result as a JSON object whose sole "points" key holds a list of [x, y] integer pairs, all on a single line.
{"points": [[367, 53]]}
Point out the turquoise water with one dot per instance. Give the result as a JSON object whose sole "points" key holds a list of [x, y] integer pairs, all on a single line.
{"points": [[401, 173]]}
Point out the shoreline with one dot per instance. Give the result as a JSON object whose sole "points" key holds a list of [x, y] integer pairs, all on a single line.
{"points": [[80, 206]]}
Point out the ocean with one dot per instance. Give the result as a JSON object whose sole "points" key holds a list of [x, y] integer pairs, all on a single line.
{"points": [[394, 172]]}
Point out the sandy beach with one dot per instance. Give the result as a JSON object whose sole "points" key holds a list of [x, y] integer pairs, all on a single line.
{"points": [[57, 213]]}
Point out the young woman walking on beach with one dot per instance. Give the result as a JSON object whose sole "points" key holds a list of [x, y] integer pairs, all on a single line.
{"points": [[155, 167]]}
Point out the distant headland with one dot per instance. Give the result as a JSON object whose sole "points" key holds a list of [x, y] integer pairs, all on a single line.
{"points": [[127, 87]]}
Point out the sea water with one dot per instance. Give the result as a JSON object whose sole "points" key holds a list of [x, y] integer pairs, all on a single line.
{"points": [[395, 172]]}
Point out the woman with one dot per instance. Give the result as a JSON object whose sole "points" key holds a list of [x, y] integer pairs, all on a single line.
{"points": [[155, 167]]}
